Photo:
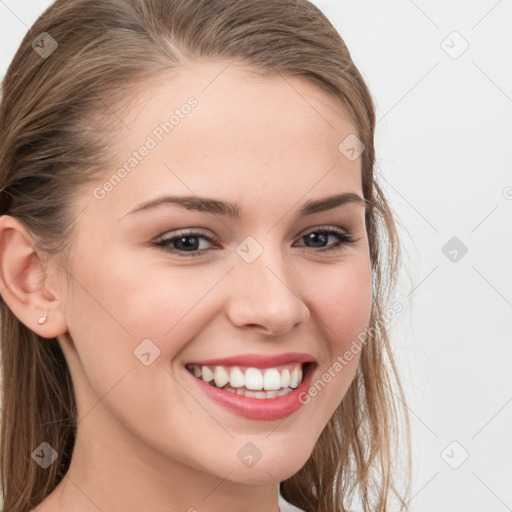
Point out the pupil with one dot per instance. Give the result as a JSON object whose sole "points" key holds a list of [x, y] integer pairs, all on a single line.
{"points": [[317, 237], [187, 246]]}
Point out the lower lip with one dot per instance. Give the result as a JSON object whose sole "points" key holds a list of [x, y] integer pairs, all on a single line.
{"points": [[265, 409]]}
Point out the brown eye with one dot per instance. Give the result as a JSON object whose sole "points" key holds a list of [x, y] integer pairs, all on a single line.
{"points": [[185, 244], [320, 237]]}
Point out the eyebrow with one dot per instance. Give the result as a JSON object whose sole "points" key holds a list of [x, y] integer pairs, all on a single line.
{"points": [[217, 207]]}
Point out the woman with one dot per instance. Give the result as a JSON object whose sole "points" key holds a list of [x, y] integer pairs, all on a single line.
{"points": [[191, 264]]}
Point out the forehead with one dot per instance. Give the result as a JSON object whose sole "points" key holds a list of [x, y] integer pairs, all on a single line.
{"points": [[215, 128]]}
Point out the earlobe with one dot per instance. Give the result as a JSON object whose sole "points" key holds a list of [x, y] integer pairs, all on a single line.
{"points": [[23, 279]]}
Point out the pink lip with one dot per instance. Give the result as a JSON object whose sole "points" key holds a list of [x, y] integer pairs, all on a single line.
{"points": [[258, 360], [265, 409]]}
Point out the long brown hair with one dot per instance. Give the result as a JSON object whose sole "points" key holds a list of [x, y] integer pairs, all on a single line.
{"points": [[53, 111]]}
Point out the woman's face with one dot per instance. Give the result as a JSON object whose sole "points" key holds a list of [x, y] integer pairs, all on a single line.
{"points": [[139, 309]]}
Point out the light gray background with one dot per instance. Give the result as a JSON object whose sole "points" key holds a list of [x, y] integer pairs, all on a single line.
{"points": [[444, 138]]}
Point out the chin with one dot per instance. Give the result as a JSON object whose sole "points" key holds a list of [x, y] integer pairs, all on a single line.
{"points": [[276, 468]]}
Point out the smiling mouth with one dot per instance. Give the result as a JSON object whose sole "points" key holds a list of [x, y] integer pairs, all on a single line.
{"points": [[250, 381]]}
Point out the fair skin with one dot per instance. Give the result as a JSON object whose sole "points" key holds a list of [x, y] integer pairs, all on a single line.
{"points": [[148, 439]]}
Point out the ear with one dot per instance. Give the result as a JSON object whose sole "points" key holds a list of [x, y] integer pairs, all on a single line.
{"points": [[24, 282]]}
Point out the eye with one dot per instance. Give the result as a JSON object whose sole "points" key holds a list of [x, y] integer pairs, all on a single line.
{"points": [[188, 243], [321, 235]]}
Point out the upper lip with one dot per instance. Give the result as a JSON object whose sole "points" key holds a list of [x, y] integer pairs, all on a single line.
{"points": [[258, 360]]}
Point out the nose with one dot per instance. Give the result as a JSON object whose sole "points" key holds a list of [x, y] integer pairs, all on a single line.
{"points": [[265, 296]]}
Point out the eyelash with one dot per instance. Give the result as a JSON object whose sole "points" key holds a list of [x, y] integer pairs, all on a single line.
{"points": [[343, 237]]}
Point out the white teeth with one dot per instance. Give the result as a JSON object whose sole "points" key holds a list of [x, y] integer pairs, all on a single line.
{"points": [[206, 374], [266, 380], [257, 394], [253, 379], [236, 377], [221, 376], [295, 377], [272, 380], [285, 378]]}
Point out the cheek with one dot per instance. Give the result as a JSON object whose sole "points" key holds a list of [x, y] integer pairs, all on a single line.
{"points": [[113, 313], [342, 302], [134, 298], [341, 305], [129, 316], [170, 306]]}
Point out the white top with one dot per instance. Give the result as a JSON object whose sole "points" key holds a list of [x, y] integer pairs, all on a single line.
{"points": [[284, 506]]}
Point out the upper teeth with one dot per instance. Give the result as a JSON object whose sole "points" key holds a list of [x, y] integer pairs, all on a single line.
{"points": [[284, 376]]}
